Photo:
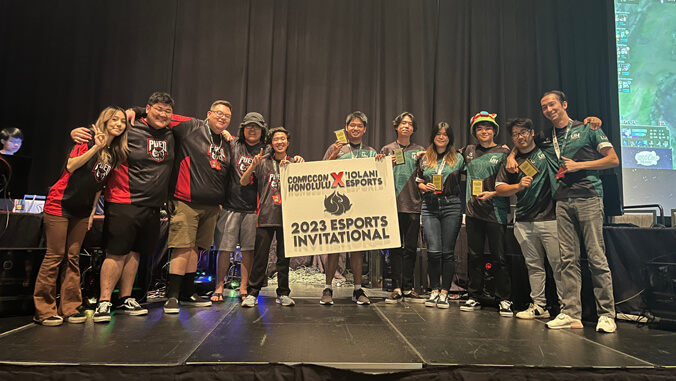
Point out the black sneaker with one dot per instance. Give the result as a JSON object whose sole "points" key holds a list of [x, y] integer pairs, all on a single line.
{"points": [[195, 301], [102, 313], [327, 297], [442, 301], [413, 297], [360, 297], [470, 305], [131, 307], [52, 321], [77, 318], [505, 308], [171, 306]]}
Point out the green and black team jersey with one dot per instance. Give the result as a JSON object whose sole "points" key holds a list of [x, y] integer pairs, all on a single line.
{"points": [[405, 186], [351, 151], [483, 164], [450, 174], [577, 142], [535, 202]]}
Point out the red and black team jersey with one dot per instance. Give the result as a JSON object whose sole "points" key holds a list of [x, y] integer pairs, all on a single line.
{"points": [[144, 178], [242, 198], [269, 194], [202, 163], [73, 194]]}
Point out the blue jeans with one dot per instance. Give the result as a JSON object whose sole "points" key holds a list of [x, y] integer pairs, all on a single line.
{"points": [[441, 219]]}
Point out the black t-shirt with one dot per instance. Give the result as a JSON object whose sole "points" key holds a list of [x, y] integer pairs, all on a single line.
{"points": [[200, 173], [269, 195], [242, 198], [73, 194], [143, 179]]}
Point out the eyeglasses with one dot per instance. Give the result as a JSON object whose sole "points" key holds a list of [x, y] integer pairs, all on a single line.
{"points": [[161, 111], [252, 127], [221, 114], [521, 134]]}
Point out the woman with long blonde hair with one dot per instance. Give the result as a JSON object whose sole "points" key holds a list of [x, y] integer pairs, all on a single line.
{"points": [[69, 212], [439, 170]]}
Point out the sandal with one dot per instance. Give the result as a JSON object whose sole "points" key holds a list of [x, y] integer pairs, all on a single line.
{"points": [[217, 297]]}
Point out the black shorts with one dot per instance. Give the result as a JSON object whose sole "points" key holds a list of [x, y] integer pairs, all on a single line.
{"points": [[129, 228]]}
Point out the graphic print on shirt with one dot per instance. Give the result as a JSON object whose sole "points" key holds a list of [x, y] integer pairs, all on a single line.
{"points": [[101, 171], [157, 149], [273, 181], [243, 163], [216, 153]]}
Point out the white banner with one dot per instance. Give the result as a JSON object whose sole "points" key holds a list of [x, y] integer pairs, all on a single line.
{"points": [[339, 206]]}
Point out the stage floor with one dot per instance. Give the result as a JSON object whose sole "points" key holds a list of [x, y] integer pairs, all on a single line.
{"points": [[377, 338]]}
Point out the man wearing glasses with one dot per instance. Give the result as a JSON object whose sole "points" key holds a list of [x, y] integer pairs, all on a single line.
{"points": [[355, 127], [535, 226], [134, 194], [237, 221], [197, 190]]}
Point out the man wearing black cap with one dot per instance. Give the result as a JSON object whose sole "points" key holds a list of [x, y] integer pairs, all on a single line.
{"points": [[237, 221], [404, 158]]}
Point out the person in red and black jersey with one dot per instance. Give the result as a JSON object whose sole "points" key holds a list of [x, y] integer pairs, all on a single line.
{"points": [[198, 188], [133, 196], [265, 168], [68, 214], [237, 221]]}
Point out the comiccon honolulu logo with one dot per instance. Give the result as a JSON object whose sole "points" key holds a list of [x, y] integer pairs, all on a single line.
{"points": [[157, 149], [101, 171], [348, 179]]}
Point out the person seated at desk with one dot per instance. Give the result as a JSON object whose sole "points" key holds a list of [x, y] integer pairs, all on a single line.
{"points": [[68, 214]]}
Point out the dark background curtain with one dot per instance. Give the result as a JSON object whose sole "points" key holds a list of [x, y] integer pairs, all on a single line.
{"points": [[303, 64]]}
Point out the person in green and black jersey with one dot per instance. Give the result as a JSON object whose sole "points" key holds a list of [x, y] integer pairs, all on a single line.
{"points": [[486, 214], [535, 226], [441, 210], [355, 128], [408, 208], [579, 153]]}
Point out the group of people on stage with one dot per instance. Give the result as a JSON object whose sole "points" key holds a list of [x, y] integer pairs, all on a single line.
{"points": [[226, 190]]}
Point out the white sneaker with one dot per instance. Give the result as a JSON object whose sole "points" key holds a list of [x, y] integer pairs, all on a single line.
{"points": [[250, 301], [432, 301], [534, 311], [606, 325], [285, 300], [563, 321]]}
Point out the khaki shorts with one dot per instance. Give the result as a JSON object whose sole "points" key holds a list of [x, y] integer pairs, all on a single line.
{"points": [[233, 228], [191, 224]]}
